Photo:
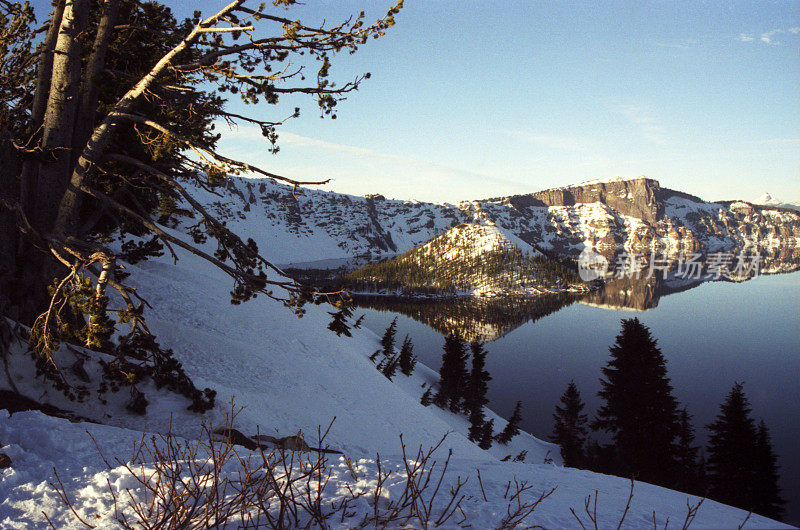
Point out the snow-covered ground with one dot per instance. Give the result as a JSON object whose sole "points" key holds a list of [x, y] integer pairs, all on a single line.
{"points": [[293, 374]]}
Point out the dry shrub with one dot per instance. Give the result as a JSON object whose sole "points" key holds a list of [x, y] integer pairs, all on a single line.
{"points": [[213, 482]]}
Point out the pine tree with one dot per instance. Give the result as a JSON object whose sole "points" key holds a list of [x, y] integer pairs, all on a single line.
{"points": [[512, 427], [687, 477], [407, 358], [426, 398], [486, 435], [389, 367], [731, 451], [339, 323], [113, 95], [768, 501], [452, 374], [742, 470], [639, 411], [475, 396], [387, 341], [569, 431], [357, 323]]}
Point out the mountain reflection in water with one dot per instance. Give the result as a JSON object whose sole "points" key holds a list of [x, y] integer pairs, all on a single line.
{"points": [[488, 319]]}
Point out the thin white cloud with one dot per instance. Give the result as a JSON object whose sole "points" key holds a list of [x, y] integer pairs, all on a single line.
{"points": [[643, 117], [768, 37]]}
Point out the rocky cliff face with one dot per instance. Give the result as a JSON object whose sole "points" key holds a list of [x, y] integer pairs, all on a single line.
{"points": [[637, 197], [637, 214]]}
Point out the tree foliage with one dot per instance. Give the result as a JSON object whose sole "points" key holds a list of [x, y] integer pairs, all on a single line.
{"points": [[388, 339], [339, 324], [688, 477], [487, 432], [475, 396], [742, 469], [406, 358], [639, 409], [570, 427], [452, 374], [107, 124], [512, 427]]}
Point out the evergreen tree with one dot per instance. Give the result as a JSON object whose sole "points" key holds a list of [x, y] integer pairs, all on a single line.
{"points": [[357, 323], [768, 499], [569, 431], [512, 427], [426, 398], [639, 411], [486, 435], [107, 123], [407, 358], [688, 477], [452, 374], [702, 475], [339, 323], [742, 470], [389, 367], [387, 341], [475, 396]]}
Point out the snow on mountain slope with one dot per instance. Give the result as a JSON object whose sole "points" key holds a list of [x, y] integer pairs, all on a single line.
{"points": [[475, 240], [769, 200], [305, 225]]}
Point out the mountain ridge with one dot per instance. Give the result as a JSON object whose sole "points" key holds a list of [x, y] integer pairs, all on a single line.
{"points": [[303, 224]]}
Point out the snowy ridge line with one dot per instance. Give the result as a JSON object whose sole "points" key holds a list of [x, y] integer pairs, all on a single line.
{"points": [[324, 225]]}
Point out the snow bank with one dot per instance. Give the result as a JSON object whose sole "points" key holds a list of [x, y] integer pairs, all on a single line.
{"points": [[38, 443]]}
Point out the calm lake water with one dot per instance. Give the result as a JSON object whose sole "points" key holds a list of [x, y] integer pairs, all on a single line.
{"points": [[712, 335]]}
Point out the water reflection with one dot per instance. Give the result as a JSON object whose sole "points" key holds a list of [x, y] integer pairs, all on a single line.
{"points": [[472, 319], [488, 319]]}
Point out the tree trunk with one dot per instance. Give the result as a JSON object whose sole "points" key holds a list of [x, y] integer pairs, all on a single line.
{"points": [[9, 167], [84, 124], [44, 70], [59, 118], [67, 215]]}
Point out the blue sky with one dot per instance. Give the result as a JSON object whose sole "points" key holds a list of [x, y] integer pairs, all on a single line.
{"points": [[478, 99]]}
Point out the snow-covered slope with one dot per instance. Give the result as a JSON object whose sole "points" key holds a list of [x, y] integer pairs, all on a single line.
{"points": [[290, 374], [303, 224], [38, 444]]}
